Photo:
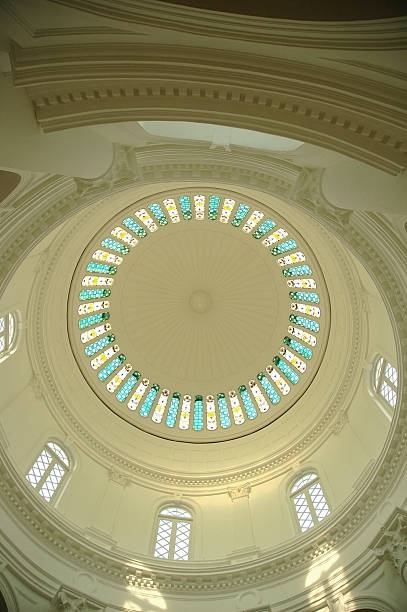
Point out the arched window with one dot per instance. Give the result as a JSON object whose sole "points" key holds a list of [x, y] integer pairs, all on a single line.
{"points": [[8, 332], [309, 501], [173, 534], [49, 470], [385, 381]]}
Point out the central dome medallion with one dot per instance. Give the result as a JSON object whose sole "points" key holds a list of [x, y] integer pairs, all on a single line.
{"points": [[198, 317]]}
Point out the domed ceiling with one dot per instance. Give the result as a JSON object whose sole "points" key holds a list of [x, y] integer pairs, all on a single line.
{"points": [[198, 316]]}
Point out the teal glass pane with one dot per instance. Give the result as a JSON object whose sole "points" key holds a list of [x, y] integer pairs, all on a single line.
{"points": [[99, 344], [127, 387], [288, 245], [158, 213], [93, 319], [198, 413], [223, 411], [185, 205], [304, 322], [286, 370], [111, 367], [305, 296], [240, 214], [265, 227], [297, 346], [113, 245], [132, 225], [93, 266], [148, 402], [214, 203], [90, 294], [268, 387], [173, 410], [247, 403], [298, 271]]}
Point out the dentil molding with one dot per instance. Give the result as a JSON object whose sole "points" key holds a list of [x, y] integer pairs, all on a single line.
{"points": [[76, 85]]}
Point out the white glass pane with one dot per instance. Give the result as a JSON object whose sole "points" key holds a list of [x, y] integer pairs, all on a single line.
{"points": [[388, 393], [303, 481], [303, 512], [2, 322], [319, 502], [39, 468], [52, 481], [391, 374], [181, 548], [162, 545], [59, 452], [175, 512]]}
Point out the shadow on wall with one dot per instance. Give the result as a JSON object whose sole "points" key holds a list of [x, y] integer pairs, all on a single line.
{"points": [[3, 606], [8, 182]]}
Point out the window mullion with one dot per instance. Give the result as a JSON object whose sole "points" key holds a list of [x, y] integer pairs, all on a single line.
{"points": [[46, 474], [172, 539], [311, 505]]}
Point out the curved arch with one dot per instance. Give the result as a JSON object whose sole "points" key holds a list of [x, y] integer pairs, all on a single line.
{"points": [[282, 97]]}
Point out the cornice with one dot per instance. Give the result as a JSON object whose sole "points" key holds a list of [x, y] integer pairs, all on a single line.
{"points": [[121, 567], [373, 34], [72, 86]]}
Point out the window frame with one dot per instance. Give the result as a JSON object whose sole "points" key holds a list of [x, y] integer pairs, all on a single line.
{"points": [[174, 520], [68, 469], [10, 347], [377, 380], [305, 489]]}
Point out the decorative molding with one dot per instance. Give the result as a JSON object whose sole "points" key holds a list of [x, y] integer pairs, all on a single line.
{"points": [[379, 33], [71, 601], [340, 422], [239, 492], [336, 604], [391, 542], [35, 382]]}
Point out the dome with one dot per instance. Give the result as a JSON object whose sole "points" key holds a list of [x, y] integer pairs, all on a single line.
{"points": [[202, 311]]}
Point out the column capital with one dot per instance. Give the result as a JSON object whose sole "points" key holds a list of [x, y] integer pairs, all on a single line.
{"points": [[391, 542], [71, 601], [239, 492]]}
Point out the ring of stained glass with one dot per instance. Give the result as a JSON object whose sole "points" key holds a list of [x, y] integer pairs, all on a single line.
{"points": [[110, 322]]}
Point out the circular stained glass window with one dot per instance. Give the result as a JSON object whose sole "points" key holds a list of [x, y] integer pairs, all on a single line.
{"points": [[198, 316]]}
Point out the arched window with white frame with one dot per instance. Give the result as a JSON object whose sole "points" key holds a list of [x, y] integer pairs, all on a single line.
{"points": [[385, 381], [8, 334], [49, 470], [173, 537], [309, 501]]}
